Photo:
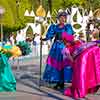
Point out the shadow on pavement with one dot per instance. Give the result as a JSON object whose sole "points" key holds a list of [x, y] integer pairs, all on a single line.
{"points": [[36, 87]]}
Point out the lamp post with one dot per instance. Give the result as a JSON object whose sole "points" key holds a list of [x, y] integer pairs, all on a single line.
{"points": [[2, 10]]}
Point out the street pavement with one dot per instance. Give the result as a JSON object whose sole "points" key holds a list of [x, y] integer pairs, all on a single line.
{"points": [[27, 73]]}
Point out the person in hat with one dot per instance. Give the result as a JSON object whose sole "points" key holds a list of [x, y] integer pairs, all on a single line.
{"points": [[58, 69]]}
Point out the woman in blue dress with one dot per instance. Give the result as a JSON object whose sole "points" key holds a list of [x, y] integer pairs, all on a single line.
{"points": [[57, 70]]}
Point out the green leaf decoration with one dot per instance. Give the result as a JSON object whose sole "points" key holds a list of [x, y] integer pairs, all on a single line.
{"points": [[77, 26]]}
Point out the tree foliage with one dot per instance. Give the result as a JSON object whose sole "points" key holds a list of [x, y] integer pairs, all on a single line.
{"points": [[14, 18]]}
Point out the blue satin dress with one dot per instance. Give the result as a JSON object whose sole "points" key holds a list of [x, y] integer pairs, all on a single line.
{"points": [[57, 70]]}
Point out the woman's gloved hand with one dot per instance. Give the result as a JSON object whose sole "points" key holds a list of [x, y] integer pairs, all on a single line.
{"points": [[43, 39]]}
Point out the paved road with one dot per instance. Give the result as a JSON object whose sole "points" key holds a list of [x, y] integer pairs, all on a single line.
{"points": [[27, 89], [27, 75]]}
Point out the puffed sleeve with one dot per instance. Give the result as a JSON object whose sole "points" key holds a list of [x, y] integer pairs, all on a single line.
{"points": [[51, 32], [69, 29]]}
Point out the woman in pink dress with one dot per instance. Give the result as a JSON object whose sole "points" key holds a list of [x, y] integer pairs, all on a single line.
{"points": [[86, 71]]}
